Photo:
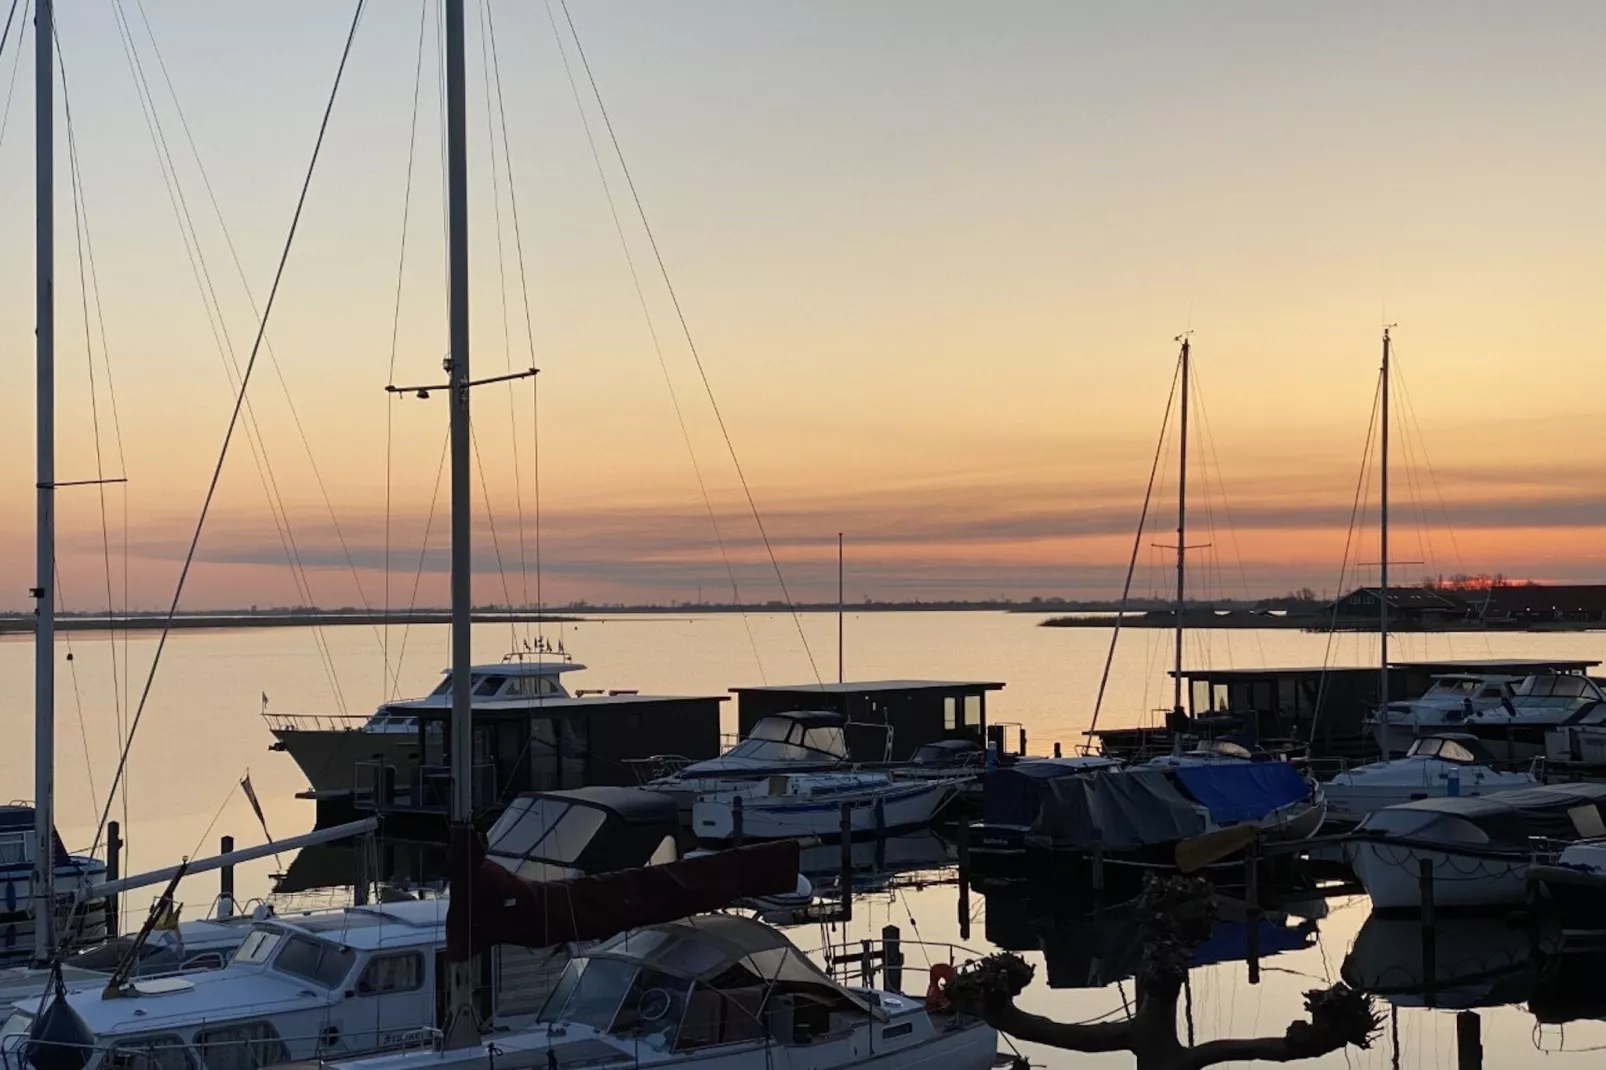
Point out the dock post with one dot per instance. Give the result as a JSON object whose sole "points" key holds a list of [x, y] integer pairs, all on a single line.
{"points": [[846, 877], [1468, 1041], [1252, 896], [1056, 748], [225, 895], [892, 958], [114, 870], [736, 821], [962, 850], [1430, 934], [361, 880], [867, 963]]}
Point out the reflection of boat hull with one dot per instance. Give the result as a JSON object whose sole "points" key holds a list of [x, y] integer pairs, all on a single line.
{"points": [[1477, 961], [1391, 874], [329, 757]]}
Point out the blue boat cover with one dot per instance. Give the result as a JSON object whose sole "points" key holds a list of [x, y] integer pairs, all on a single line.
{"points": [[1243, 792]]}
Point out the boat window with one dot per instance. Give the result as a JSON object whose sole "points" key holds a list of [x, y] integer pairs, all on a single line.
{"points": [[444, 686], [244, 1046], [258, 945], [317, 961], [14, 849], [653, 1007], [712, 1017], [1424, 748], [1536, 686], [590, 992], [1452, 751], [166, 1051], [392, 973], [1569, 686], [666, 851], [489, 685], [826, 741], [950, 713], [972, 711], [1490, 692], [19, 1022], [208, 960], [775, 728]]}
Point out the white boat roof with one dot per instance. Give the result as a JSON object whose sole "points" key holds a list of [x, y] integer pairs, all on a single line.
{"points": [[522, 668], [248, 990]]}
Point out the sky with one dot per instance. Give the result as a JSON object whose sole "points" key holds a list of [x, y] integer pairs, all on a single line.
{"points": [[931, 258]]}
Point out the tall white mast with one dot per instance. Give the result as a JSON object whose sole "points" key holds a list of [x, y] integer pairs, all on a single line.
{"points": [[1182, 527], [1383, 539], [44, 672]]}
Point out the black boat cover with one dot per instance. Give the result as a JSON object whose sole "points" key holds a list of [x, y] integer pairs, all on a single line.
{"points": [[1123, 811]]}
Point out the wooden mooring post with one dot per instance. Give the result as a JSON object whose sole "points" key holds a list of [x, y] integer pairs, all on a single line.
{"points": [[962, 849], [1252, 897], [225, 891], [892, 958], [1430, 934], [114, 870], [846, 877], [1468, 1041]]}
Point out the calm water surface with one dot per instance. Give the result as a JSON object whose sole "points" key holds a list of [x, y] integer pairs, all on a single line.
{"points": [[201, 733]]}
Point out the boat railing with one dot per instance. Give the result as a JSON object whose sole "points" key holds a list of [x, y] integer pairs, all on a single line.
{"points": [[122, 1054], [870, 960], [314, 722]]}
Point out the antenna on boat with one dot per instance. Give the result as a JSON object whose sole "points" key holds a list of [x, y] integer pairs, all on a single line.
{"points": [[44, 681]]}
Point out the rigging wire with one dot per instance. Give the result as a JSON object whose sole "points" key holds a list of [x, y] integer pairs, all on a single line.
{"points": [[220, 336], [273, 357], [1344, 562], [487, 52], [496, 543], [88, 280], [423, 550], [386, 687], [691, 344], [1132, 562], [239, 403], [16, 62], [657, 345]]}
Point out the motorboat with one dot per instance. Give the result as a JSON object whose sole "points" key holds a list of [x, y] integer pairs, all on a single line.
{"points": [[202, 944], [332, 750], [798, 741], [561, 835], [812, 804], [1451, 698], [81, 915], [722, 992], [1446, 764], [1515, 730], [1574, 883], [1477, 850], [1035, 819]]}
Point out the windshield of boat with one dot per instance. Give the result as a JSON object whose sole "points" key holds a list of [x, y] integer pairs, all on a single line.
{"points": [[783, 739], [1449, 750], [315, 960], [1455, 686], [553, 830], [1561, 687]]}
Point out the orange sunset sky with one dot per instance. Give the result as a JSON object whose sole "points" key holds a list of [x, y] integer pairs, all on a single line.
{"points": [[933, 256]]}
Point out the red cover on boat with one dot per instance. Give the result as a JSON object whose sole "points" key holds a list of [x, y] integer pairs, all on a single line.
{"points": [[510, 910]]}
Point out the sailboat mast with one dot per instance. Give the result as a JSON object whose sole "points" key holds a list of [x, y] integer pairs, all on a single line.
{"points": [[44, 680], [461, 971], [1182, 527], [1383, 539]]}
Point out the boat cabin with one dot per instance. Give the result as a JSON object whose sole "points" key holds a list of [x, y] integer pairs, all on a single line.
{"points": [[1458, 747], [556, 835], [506, 682], [555, 744], [886, 719]]}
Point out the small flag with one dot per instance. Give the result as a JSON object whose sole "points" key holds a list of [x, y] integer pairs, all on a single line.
{"points": [[264, 702], [167, 925], [256, 804]]}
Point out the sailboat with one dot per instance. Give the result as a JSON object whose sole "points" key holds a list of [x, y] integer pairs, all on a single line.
{"points": [[37, 873]]}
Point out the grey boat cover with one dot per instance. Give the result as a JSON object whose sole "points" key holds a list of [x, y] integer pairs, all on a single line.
{"points": [[1124, 811], [1508, 818]]}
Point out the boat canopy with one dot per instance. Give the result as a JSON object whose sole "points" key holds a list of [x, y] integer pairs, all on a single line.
{"points": [[1451, 747], [1122, 810], [799, 736], [1243, 791], [1506, 819], [554, 835]]}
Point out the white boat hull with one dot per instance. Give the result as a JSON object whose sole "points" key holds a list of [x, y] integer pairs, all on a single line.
{"points": [[902, 805], [1391, 874]]}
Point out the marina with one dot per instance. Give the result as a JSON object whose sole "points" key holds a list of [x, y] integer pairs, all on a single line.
{"points": [[764, 829]]}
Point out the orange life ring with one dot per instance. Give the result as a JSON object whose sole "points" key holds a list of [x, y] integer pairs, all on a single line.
{"points": [[941, 974]]}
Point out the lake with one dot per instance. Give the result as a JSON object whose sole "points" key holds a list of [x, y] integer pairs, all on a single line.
{"points": [[202, 732]]}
